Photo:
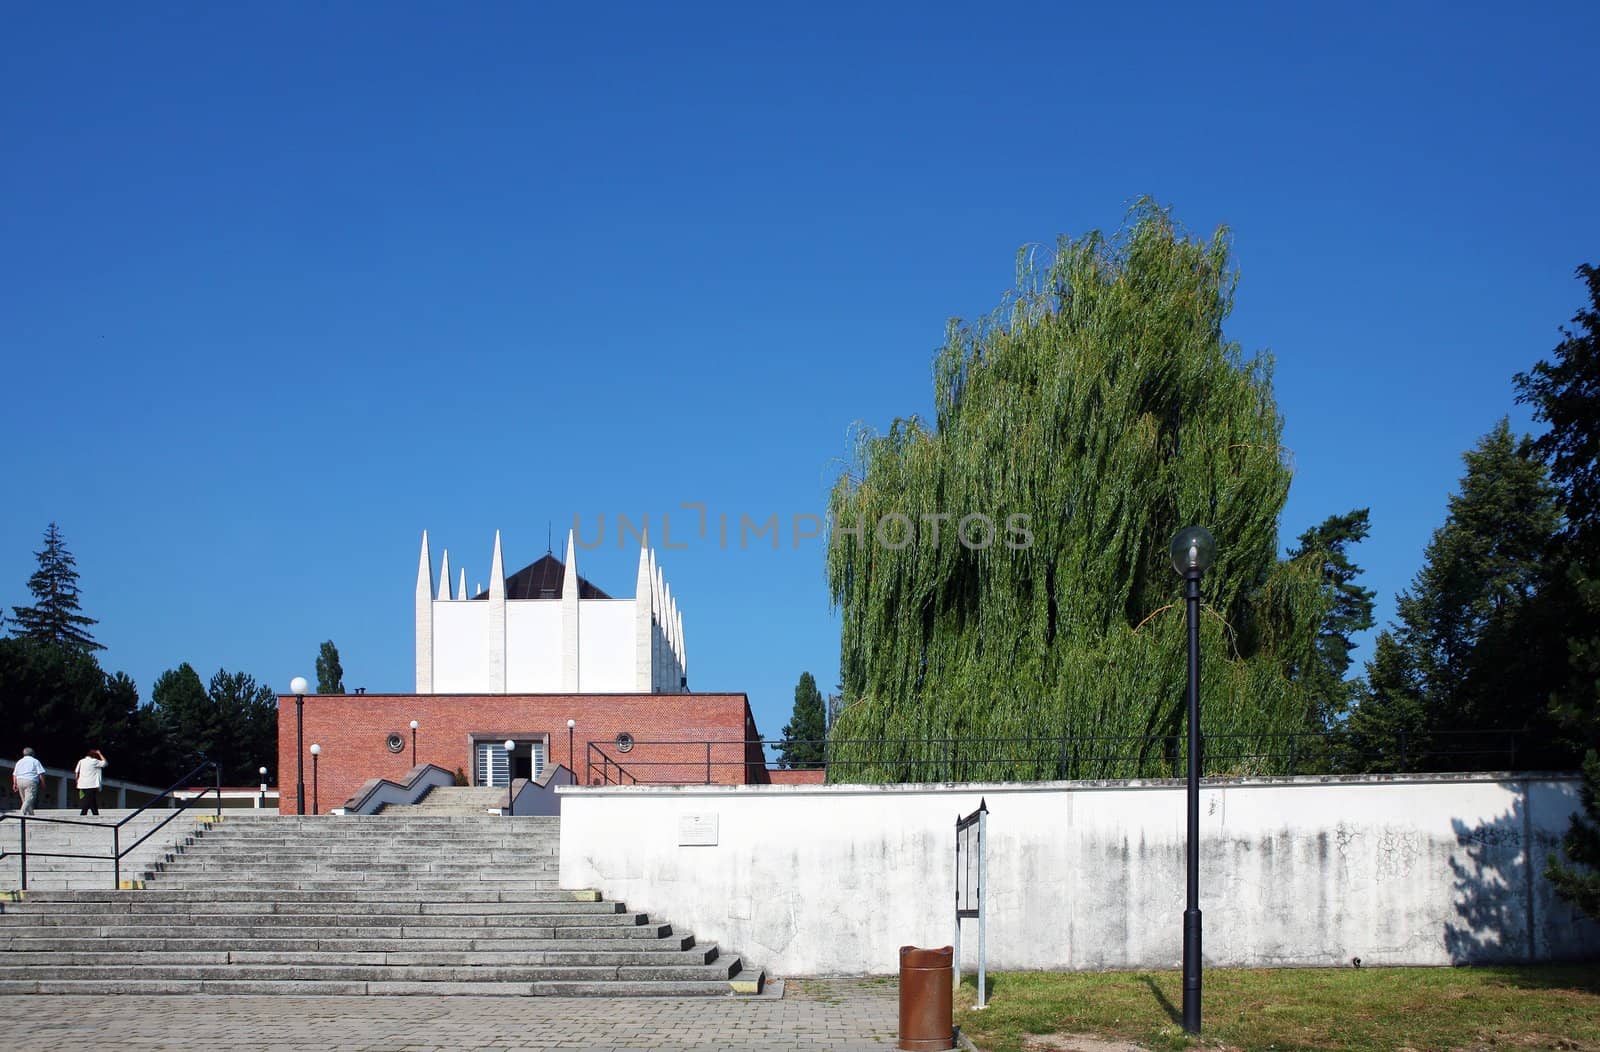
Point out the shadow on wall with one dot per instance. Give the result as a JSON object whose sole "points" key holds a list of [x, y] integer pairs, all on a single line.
{"points": [[1505, 910]]}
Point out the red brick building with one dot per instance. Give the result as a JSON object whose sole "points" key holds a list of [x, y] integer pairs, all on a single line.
{"points": [[708, 738]]}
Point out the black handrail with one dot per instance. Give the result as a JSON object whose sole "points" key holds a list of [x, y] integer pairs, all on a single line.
{"points": [[118, 852]]}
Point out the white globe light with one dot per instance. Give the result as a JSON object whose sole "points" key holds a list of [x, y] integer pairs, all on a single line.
{"points": [[415, 724], [316, 750], [298, 685], [510, 745], [571, 724]]}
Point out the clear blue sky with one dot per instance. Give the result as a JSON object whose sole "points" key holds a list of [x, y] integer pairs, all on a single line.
{"points": [[281, 287]]}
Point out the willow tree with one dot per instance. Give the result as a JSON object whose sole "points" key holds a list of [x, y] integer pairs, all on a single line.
{"points": [[1096, 412]]}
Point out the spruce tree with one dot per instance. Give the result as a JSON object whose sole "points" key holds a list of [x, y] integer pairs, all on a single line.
{"points": [[1465, 649], [1565, 394], [55, 618], [330, 674], [1349, 611], [803, 735], [1002, 570]]}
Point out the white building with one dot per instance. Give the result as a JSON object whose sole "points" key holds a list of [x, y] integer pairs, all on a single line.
{"points": [[545, 630]]}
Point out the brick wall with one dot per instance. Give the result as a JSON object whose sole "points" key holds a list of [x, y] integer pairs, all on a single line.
{"points": [[352, 729]]}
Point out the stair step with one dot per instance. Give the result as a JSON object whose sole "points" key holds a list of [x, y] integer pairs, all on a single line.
{"points": [[304, 988]]}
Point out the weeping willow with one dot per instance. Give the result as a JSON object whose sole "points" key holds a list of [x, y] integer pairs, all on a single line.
{"points": [[1102, 402]]}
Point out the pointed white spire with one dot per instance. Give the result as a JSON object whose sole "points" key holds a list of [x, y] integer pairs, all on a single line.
{"points": [[642, 654], [570, 622], [444, 575], [461, 588], [424, 621], [497, 571], [495, 643], [683, 662], [569, 577]]}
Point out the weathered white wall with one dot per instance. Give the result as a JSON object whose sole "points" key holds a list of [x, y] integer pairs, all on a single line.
{"points": [[459, 630], [606, 659], [533, 648], [832, 880]]}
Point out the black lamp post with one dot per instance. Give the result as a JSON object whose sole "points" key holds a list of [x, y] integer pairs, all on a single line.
{"points": [[570, 724], [298, 687], [414, 726], [316, 750], [510, 745], [262, 802], [1193, 551]]}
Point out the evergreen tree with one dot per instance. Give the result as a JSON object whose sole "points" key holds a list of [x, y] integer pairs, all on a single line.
{"points": [[803, 735], [1466, 649], [1349, 610], [1101, 410], [234, 721], [1565, 393], [190, 724], [55, 617], [330, 674]]}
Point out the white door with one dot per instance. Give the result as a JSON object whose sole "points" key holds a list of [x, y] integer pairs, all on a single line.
{"points": [[494, 764]]}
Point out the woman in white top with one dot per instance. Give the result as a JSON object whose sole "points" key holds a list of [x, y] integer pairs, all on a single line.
{"points": [[88, 772]]}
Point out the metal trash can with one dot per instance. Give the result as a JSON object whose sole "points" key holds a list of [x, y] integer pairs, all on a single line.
{"points": [[926, 1018]]}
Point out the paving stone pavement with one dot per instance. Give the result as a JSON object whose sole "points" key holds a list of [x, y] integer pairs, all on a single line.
{"points": [[839, 1015]]}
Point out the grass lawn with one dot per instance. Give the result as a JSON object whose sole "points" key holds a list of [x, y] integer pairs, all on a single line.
{"points": [[1365, 1010]]}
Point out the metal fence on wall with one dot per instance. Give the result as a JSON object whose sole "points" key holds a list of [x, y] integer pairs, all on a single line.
{"points": [[1055, 758]]}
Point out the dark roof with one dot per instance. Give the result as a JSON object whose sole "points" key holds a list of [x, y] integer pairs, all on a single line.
{"points": [[543, 580]]}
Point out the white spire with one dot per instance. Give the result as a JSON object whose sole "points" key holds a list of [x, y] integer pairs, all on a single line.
{"points": [[444, 575], [461, 588], [497, 571], [425, 569], [424, 622]]}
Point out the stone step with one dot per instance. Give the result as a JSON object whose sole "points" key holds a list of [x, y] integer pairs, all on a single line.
{"points": [[325, 934], [134, 903], [236, 894], [724, 969], [408, 957], [291, 916], [438, 889], [665, 943], [310, 988]]}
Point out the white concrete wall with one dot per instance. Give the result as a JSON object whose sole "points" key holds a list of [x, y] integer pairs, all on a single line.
{"points": [[459, 629], [533, 647], [832, 880], [606, 659]]}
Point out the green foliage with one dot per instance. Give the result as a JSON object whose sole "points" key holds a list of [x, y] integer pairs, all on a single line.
{"points": [[1471, 642], [59, 701], [234, 721], [55, 618], [807, 727], [1103, 403], [1348, 611], [330, 674], [1565, 393]]}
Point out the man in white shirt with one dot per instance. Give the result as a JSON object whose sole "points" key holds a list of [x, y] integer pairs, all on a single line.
{"points": [[88, 774], [26, 778]]}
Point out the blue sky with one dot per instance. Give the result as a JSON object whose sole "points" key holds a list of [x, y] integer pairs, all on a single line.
{"points": [[282, 286]]}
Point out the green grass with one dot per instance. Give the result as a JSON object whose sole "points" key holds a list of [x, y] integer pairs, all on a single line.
{"points": [[1365, 1010]]}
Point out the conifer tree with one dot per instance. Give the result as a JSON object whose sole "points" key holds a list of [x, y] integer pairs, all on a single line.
{"points": [[1565, 393], [1003, 572], [1467, 648], [55, 618], [803, 735], [1349, 611]]}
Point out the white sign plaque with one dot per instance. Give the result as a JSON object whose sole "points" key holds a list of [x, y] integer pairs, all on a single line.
{"points": [[697, 830]]}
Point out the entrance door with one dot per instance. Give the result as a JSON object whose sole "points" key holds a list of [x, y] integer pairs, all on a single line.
{"points": [[496, 767]]}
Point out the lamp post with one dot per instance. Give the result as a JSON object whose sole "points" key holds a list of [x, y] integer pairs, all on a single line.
{"points": [[414, 743], [263, 800], [570, 724], [1193, 551], [509, 746], [316, 750], [298, 687]]}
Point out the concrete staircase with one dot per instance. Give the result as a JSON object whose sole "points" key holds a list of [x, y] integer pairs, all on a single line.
{"points": [[90, 873], [453, 800], [356, 905]]}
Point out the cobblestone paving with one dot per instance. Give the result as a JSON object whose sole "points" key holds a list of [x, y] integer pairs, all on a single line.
{"points": [[813, 1016]]}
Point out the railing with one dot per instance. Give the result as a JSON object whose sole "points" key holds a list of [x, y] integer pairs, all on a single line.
{"points": [[1068, 757], [118, 852]]}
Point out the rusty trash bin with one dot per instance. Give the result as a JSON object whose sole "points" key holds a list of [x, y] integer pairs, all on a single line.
{"points": [[926, 1017]]}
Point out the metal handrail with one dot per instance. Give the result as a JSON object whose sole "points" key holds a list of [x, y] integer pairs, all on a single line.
{"points": [[118, 852]]}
